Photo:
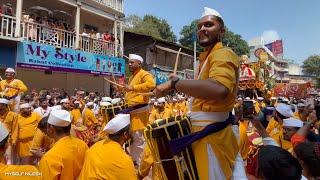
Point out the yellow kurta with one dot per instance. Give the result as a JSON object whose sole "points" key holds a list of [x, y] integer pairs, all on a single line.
{"points": [[16, 83], [24, 132], [41, 141], [222, 66], [9, 119], [89, 118], [108, 161], [244, 140], [274, 129], [160, 115], [297, 115], [141, 82], [64, 160], [76, 115], [17, 172], [147, 162]]}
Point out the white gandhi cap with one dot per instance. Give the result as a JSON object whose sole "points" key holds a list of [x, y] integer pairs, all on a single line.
{"points": [[135, 57], [210, 12], [3, 132], [292, 122], [60, 118], [4, 101], [284, 110], [117, 123], [10, 70]]}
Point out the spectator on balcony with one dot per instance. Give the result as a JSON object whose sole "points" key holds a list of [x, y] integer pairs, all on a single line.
{"points": [[107, 37], [32, 29], [8, 10]]}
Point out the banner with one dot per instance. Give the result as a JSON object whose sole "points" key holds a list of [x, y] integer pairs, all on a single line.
{"points": [[162, 75], [276, 47], [291, 90], [40, 56]]}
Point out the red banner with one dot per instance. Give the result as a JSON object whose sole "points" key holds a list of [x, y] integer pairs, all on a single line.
{"points": [[291, 90]]}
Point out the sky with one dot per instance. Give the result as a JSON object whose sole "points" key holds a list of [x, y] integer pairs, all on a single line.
{"points": [[297, 22]]}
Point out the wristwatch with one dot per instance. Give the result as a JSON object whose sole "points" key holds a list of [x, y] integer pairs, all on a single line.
{"points": [[174, 82]]}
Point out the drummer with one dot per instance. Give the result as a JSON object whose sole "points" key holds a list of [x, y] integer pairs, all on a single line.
{"points": [[217, 154], [140, 81]]}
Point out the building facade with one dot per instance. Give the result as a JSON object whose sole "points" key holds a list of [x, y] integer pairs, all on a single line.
{"points": [[62, 43]]}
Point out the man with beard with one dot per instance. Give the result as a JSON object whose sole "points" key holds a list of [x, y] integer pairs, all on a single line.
{"points": [[216, 150], [12, 88], [24, 131]]}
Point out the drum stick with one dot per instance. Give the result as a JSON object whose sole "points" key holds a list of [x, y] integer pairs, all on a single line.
{"points": [[114, 83], [125, 56], [1, 78], [176, 64]]}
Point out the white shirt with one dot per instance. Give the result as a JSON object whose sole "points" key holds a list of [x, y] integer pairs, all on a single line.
{"points": [[43, 112]]}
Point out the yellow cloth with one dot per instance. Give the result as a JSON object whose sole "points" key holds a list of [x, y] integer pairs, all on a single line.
{"points": [[274, 129], [244, 140], [89, 118], [297, 115], [258, 107], [41, 141], [16, 83], [76, 115], [9, 119], [108, 161], [147, 162], [222, 66], [141, 82], [23, 133], [160, 115], [64, 160], [17, 172]]}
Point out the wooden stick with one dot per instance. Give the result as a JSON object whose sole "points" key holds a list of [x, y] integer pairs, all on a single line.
{"points": [[125, 56], [176, 64], [1, 78], [114, 83]]}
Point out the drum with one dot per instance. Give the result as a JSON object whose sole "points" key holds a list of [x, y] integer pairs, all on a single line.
{"points": [[158, 134]]}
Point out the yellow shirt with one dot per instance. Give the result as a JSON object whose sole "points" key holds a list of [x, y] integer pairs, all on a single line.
{"points": [[297, 115], [89, 118], [108, 161], [64, 160], [147, 162], [141, 82], [16, 83], [160, 115], [16, 172], [23, 133], [244, 140], [222, 66], [76, 115], [9, 119], [41, 141], [274, 129]]}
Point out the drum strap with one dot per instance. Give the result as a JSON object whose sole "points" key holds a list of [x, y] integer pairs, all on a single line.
{"points": [[179, 144], [197, 118]]}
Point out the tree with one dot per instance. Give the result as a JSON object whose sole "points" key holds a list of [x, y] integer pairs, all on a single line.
{"points": [[150, 25], [311, 67], [230, 39]]}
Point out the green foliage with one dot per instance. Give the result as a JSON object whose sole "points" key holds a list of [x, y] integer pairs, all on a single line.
{"points": [[311, 66], [150, 25], [230, 39]]}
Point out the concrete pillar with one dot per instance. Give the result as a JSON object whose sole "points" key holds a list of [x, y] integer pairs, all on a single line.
{"points": [[121, 38], [77, 25], [116, 37], [17, 32]]}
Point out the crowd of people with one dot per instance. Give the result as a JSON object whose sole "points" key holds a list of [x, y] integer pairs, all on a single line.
{"points": [[51, 134]]}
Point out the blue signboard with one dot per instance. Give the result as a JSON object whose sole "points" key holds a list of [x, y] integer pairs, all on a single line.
{"points": [[41, 56]]}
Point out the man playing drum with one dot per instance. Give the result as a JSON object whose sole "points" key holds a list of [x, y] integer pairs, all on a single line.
{"points": [[139, 82], [214, 93]]}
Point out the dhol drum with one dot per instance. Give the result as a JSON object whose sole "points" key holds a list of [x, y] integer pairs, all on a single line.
{"points": [[115, 107], [158, 135]]}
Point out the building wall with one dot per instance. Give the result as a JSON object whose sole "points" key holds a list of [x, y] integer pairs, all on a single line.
{"points": [[36, 79], [294, 69]]}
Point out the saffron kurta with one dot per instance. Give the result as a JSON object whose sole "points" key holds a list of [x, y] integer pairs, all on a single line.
{"points": [[89, 118], [64, 160], [222, 66], [41, 141], [106, 160], [9, 119], [16, 83], [76, 116], [24, 132], [141, 82]]}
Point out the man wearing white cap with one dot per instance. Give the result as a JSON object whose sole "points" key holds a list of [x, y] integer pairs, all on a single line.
{"points": [[106, 159], [89, 119], [65, 159], [160, 112], [214, 94], [14, 172], [9, 118], [274, 128], [24, 131], [12, 88], [140, 81]]}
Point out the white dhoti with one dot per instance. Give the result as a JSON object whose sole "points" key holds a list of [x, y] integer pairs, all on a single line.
{"points": [[137, 146]]}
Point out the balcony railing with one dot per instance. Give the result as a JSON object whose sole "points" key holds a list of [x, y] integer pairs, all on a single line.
{"points": [[31, 31], [114, 4], [7, 25]]}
